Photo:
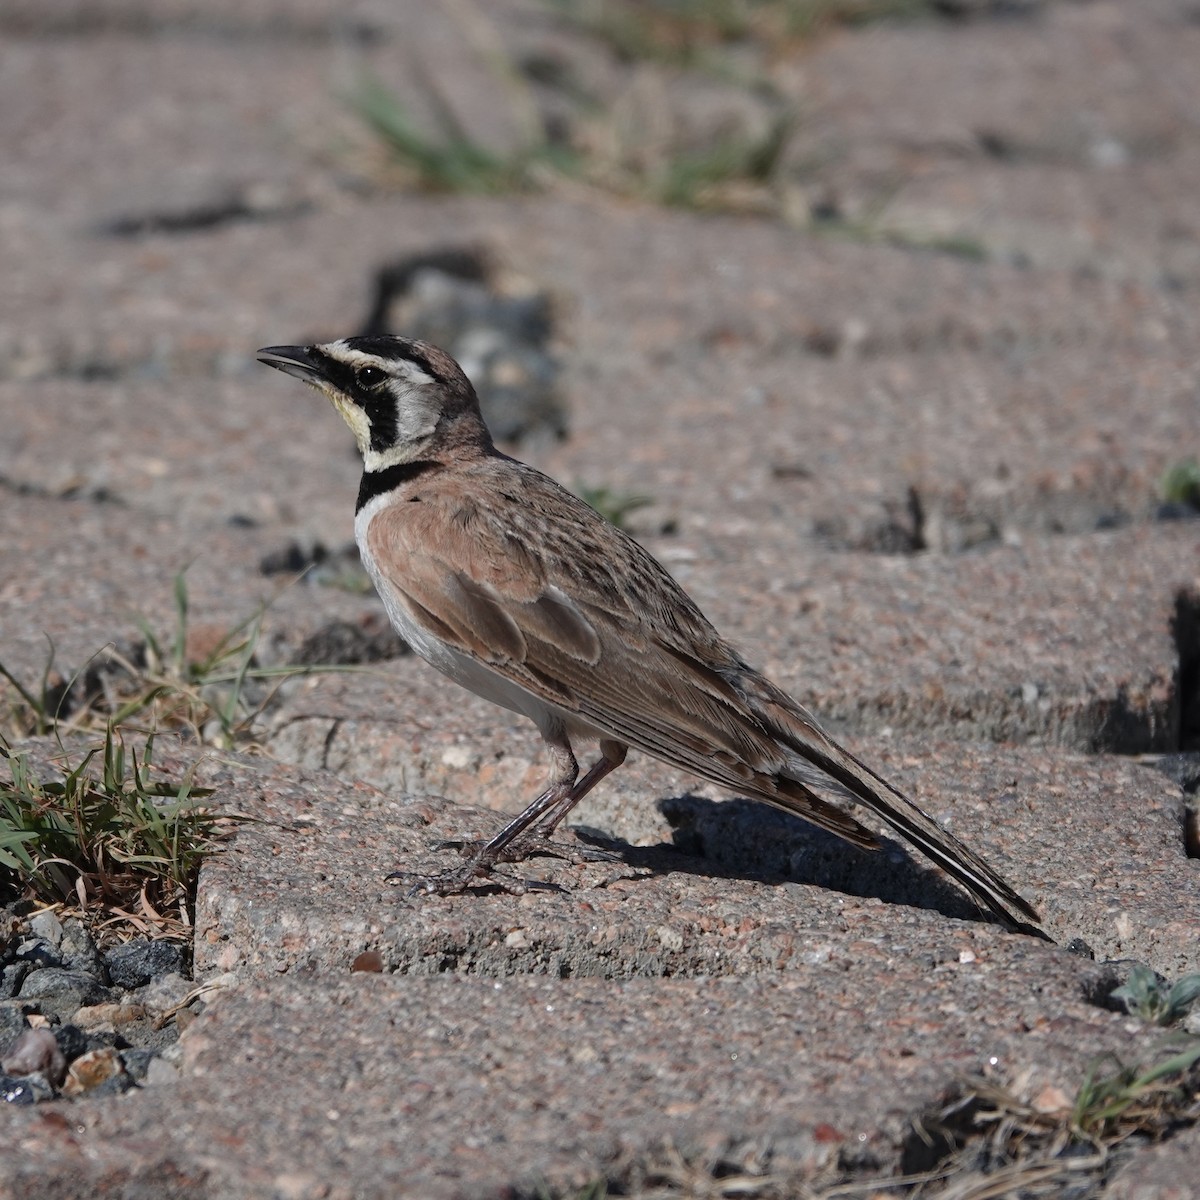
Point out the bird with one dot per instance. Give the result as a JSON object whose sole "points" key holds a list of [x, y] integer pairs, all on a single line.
{"points": [[520, 591]]}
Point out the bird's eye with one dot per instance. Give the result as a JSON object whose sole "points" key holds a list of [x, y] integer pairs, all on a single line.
{"points": [[369, 377]]}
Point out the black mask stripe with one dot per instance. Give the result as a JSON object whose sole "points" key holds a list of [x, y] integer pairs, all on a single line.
{"points": [[380, 406], [376, 483]]}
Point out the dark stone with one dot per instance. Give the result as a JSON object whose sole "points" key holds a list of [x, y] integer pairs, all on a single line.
{"points": [[121, 1082], [292, 559], [1184, 769], [11, 978], [1176, 510], [1078, 946], [12, 1024], [72, 1041], [136, 1062], [38, 952], [137, 962], [78, 950], [63, 991], [14, 1090], [343, 642]]}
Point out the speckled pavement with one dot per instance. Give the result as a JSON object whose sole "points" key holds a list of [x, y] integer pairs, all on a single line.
{"points": [[908, 459]]}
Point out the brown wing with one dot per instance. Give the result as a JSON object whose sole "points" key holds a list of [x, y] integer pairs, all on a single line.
{"points": [[531, 582], [528, 580]]}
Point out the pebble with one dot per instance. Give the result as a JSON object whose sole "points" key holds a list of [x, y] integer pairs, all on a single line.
{"points": [[64, 1031], [134, 964], [110, 1016], [46, 926], [12, 1021], [165, 994], [61, 990], [35, 1052], [138, 1062], [37, 952], [24, 1089], [78, 949], [160, 1071], [11, 978], [89, 1071]]}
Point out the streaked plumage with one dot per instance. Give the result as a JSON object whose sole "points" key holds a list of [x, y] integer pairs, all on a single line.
{"points": [[521, 592]]}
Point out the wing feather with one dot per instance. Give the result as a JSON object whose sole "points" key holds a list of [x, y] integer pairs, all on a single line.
{"points": [[533, 586]]}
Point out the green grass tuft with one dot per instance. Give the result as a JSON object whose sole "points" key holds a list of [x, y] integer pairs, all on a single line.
{"points": [[1181, 483], [107, 836], [612, 505], [1145, 996]]}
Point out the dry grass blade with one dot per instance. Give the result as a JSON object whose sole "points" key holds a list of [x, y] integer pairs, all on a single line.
{"points": [[215, 692], [995, 1145]]}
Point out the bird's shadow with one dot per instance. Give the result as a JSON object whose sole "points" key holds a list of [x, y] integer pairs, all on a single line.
{"points": [[748, 840]]}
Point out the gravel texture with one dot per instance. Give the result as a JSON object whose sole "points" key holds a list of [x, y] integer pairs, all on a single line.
{"points": [[75, 1021]]}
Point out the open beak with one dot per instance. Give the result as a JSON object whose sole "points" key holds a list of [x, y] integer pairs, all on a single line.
{"points": [[292, 360]]}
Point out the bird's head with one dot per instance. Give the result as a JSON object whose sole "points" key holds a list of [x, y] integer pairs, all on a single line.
{"points": [[404, 400]]}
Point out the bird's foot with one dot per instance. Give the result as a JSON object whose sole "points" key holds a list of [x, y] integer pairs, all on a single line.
{"points": [[533, 844], [458, 879], [481, 861]]}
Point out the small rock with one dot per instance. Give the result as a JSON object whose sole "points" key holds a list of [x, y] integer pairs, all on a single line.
{"points": [[11, 978], [62, 991], [164, 994], [137, 1061], [46, 925], [35, 1052], [136, 963], [160, 1071], [343, 642], [72, 1041], [89, 1071], [115, 1015], [1052, 1099], [1176, 510], [114, 1085], [293, 558], [78, 949], [12, 1023], [17, 1091], [38, 952]]}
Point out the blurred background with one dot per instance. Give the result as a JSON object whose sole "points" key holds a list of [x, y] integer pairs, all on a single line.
{"points": [[800, 291]]}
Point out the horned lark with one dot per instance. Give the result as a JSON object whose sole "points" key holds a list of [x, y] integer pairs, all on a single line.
{"points": [[521, 592]]}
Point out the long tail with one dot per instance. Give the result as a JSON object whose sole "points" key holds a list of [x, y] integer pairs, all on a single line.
{"points": [[845, 774]]}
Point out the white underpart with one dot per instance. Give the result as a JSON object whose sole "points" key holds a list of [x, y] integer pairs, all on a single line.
{"points": [[465, 671]]}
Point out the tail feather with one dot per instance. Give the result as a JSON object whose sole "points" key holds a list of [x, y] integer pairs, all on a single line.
{"points": [[818, 754]]}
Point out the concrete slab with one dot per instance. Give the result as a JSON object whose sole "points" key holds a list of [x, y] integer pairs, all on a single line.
{"points": [[721, 889], [456, 1087]]}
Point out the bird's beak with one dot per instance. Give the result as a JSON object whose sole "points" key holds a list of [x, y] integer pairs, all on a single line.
{"points": [[293, 360]]}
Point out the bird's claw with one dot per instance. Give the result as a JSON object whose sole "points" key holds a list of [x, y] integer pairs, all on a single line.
{"points": [[532, 845], [459, 879]]}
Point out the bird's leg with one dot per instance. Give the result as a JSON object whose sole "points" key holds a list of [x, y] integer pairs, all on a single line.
{"points": [[499, 847], [528, 833], [612, 755]]}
